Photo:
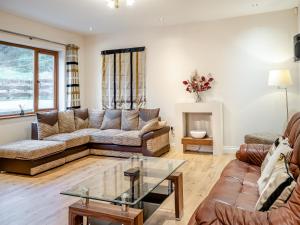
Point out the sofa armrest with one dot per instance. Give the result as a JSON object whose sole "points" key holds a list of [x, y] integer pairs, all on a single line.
{"points": [[34, 131], [155, 133], [155, 143], [228, 215], [253, 153]]}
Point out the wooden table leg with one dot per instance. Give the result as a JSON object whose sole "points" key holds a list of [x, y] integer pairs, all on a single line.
{"points": [[177, 180], [75, 219]]}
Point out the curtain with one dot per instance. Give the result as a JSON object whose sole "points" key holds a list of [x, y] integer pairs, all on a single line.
{"points": [[72, 77], [123, 78]]}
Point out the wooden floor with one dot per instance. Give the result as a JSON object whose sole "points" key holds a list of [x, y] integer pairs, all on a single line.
{"points": [[36, 200]]}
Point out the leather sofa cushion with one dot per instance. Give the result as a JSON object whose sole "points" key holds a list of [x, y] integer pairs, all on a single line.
{"points": [[31, 149], [261, 138], [105, 136], [242, 171], [237, 187], [129, 138], [71, 139]]}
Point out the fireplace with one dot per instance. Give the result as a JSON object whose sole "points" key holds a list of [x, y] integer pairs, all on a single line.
{"points": [[199, 116]]}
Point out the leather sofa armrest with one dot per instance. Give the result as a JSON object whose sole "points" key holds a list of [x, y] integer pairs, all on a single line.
{"points": [[228, 215], [34, 131], [155, 133], [253, 153]]}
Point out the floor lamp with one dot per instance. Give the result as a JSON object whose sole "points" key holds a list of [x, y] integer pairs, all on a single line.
{"points": [[281, 79]]}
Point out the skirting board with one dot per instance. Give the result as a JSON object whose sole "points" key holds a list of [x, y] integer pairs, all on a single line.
{"points": [[227, 149], [230, 149]]}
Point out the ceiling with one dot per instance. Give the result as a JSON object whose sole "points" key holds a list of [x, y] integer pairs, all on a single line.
{"points": [[93, 16]]}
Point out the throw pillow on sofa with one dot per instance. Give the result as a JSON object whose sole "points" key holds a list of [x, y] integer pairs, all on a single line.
{"points": [[271, 151], [146, 115], [96, 118], [282, 148], [112, 119], [278, 188], [47, 124], [66, 122], [81, 118], [130, 119], [152, 125]]}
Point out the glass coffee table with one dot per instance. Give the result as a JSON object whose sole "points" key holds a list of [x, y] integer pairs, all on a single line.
{"points": [[135, 188]]}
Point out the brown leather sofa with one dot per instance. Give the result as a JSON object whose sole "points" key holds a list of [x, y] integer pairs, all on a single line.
{"points": [[232, 199]]}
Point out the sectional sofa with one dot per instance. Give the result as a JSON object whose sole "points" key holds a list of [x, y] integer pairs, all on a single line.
{"points": [[61, 137]]}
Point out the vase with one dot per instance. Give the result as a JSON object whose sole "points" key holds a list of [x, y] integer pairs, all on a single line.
{"points": [[198, 98]]}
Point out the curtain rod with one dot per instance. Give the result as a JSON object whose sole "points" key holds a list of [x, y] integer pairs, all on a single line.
{"points": [[123, 50], [31, 37]]}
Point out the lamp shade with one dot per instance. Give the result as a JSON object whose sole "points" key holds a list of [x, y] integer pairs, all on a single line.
{"points": [[280, 78]]}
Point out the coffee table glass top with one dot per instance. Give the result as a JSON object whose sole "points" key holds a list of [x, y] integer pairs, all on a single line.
{"points": [[143, 175]]}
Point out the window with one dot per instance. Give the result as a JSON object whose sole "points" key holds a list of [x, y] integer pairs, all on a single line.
{"points": [[28, 79]]}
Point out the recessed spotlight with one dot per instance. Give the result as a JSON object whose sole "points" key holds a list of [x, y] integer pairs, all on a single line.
{"points": [[162, 20]]}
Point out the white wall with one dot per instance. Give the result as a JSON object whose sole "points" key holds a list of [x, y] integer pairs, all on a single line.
{"points": [[16, 129], [239, 52]]}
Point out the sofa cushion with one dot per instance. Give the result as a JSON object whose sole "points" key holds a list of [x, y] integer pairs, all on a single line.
{"points": [[86, 131], [230, 191], [70, 139], [261, 138], [81, 117], [283, 148], [105, 136], [146, 115], [31, 149], [130, 120], [270, 153], [152, 125], [236, 187], [66, 121], [47, 124], [128, 138], [112, 119], [95, 118], [279, 186], [242, 171]]}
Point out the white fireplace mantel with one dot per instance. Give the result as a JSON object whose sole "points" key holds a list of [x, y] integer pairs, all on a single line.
{"points": [[214, 108]]}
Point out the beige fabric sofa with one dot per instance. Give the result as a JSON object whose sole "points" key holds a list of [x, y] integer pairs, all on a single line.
{"points": [[50, 148]]}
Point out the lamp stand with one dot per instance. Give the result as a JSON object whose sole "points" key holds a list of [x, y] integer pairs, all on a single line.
{"points": [[286, 104]]}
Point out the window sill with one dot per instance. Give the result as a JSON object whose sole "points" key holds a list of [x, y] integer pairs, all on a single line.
{"points": [[16, 116]]}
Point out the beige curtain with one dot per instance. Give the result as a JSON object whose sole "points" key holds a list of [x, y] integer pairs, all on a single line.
{"points": [[123, 78], [72, 77]]}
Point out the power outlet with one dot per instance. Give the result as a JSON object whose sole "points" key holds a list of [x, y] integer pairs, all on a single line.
{"points": [[172, 131]]}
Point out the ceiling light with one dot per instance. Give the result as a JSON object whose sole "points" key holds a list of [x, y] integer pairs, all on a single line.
{"points": [[111, 3], [130, 2], [116, 3]]}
